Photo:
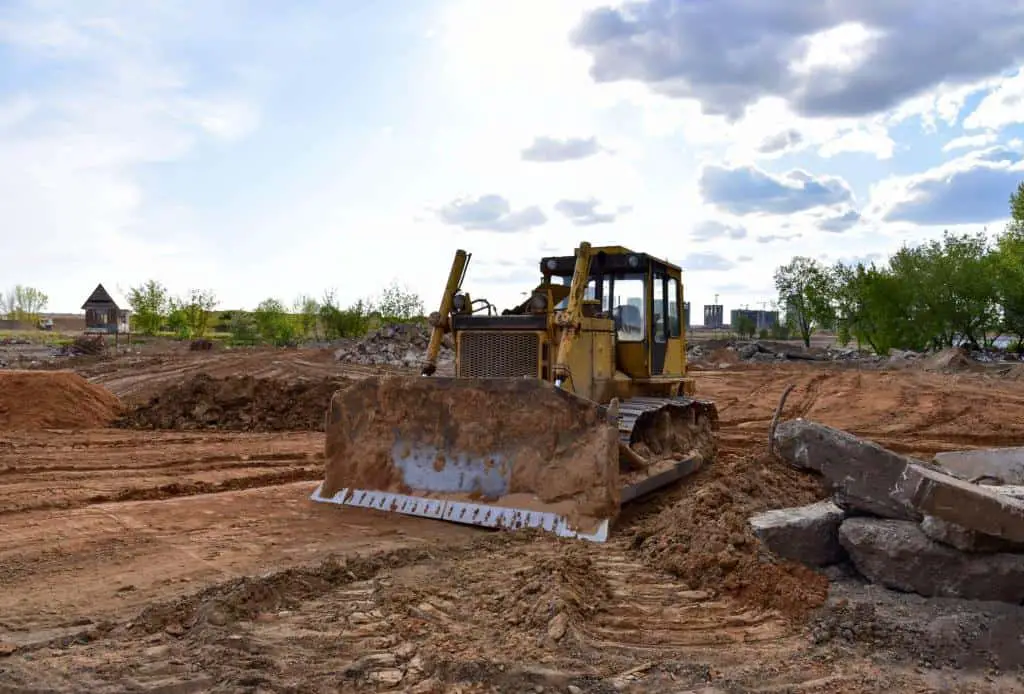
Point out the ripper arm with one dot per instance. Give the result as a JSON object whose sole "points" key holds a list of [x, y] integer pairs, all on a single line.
{"points": [[569, 319], [440, 322]]}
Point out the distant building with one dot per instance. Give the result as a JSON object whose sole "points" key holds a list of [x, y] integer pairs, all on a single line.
{"points": [[714, 315], [762, 320], [105, 313]]}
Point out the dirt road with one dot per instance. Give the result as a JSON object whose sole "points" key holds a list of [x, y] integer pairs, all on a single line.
{"points": [[192, 561]]}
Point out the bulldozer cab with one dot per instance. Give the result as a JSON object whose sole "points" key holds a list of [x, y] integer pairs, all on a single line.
{"points": [[642, 295]]}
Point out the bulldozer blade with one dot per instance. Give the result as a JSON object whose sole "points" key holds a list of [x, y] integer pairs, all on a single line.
{"points": [[501, 453]]}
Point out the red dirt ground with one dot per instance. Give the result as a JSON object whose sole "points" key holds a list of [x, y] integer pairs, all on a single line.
{"points": [[193, 561]]}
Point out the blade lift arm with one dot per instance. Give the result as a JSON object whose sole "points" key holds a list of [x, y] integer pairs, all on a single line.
{"points": [[441, 321], [569, 319]]}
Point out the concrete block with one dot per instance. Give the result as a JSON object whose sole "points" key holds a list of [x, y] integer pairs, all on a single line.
{"points": [[964, 539], [971, 506], [807, 534], [898, 555], [861, 472], [1003, 464]]}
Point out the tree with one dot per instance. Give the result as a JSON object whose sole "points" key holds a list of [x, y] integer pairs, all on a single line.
{"points": [[398, 304], [24, 304], [273, 323], [1008, 264], [189, 317], [340, 323], [805, 290], [243, 329], [745, 326], [308, 310], [149, 306]]}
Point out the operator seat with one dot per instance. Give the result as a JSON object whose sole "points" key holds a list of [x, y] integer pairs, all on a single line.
{"points": [[629, 321]]}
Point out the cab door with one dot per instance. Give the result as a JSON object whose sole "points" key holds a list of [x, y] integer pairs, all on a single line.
{"points": [[659, 322]]}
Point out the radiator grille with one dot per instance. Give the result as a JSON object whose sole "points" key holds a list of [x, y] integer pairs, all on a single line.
{"points": [[494, 354]]}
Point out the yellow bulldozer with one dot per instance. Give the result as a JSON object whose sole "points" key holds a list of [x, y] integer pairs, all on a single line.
{"points": [[560, 410]]}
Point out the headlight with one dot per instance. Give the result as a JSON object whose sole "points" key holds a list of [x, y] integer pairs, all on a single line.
{"points": [[459, 302], [552, 264], [539, 301], [634, 261]]}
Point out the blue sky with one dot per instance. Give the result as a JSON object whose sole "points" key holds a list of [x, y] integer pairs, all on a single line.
{"points": [[265, 149]]}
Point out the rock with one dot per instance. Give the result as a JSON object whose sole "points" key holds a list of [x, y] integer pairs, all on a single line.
{"points": [[808, 534], [174, 629], [898, 555], [861, 472], [7, 648], [964, 539], [1004, 465], [558, 626], [749, 350], [217, 618], [388, 678], [970, 506]]}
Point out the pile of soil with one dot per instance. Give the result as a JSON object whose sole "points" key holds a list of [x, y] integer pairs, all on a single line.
{"points": [[237, 403], [952, 360], [700, 532], [54, 400]]}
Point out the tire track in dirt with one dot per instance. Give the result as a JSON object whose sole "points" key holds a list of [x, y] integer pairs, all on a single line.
{"points": [[169, 490], [397, 620]]}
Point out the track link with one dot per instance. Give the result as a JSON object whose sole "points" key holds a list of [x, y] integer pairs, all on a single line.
{"points": [[666, 431], [635, 413]]}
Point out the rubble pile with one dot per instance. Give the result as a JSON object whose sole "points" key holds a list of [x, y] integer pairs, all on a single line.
{"points": [[950, 360], [951, 527], [400, 344]]}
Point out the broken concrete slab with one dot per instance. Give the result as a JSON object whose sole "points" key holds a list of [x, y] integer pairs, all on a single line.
{"points": [[1003, 465], [898, 555], [806, 534], [965, 539], [861, 472], [972, 506]]}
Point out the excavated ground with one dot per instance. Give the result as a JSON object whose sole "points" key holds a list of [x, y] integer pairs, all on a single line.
{"points": [[193, 561]]}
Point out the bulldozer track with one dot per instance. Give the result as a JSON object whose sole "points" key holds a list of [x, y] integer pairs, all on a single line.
{"points": [[633, 411]]}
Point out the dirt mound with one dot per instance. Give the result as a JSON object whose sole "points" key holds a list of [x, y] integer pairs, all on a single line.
{"points": [[701, 534], [53, 400], [952, 360], [237, 403]]}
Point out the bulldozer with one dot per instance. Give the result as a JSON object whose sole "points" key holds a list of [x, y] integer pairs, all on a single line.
{"points": [[560, 410]]}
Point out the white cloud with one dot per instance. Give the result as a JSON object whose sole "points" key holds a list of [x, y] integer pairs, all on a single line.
{"points": [[969, 141], [972, 189], [1002, 106], [748, 190], [207, 161]]}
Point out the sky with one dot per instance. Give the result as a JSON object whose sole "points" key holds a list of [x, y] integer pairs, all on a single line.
{"points": [[273, 149]]}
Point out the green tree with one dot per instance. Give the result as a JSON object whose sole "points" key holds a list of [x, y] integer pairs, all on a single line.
{"points": [[273, 323], [805, 290], [398, 304], [1008, 264], [243, 328], [745, 326], [24, 304], [189, 317], [308, 310], [150, 306], [343, 323]]}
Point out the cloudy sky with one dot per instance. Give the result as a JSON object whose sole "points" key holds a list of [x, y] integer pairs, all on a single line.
{"points": [[262, 148]]}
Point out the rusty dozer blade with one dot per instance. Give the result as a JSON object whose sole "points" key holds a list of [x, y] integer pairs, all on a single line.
{"points": [[507, 453]]}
